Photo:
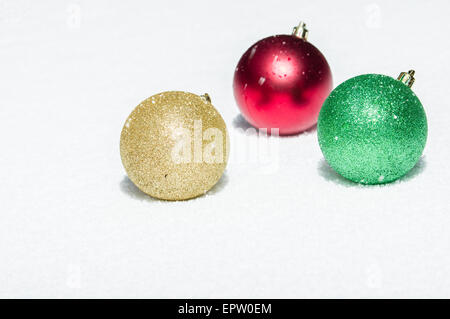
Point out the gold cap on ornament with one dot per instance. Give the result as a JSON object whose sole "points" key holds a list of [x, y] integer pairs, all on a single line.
{"points": [[174, 145], [300, 31]]}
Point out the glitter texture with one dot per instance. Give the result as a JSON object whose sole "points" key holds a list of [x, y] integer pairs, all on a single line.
{"points": [[151, 134], [372, 129], [281, 82]]}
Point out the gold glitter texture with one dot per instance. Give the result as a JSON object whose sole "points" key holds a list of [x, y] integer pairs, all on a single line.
{"points": [[174, 145]]}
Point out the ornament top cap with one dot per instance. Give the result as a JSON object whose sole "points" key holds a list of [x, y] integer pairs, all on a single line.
{"points": [[407, 78], [301, 31]]}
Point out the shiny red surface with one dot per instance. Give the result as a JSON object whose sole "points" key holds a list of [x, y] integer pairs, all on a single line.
{"points": [[281, 82]]}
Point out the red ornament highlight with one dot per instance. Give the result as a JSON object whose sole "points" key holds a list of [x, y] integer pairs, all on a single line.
{"points": [[281, 83]]}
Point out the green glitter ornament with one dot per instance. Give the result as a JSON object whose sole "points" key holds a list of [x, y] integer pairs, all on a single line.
{"points": [[372, 129]]}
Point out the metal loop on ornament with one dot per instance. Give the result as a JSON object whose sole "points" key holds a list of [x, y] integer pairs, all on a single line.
{"points": [[205, 97], [407, 78]]}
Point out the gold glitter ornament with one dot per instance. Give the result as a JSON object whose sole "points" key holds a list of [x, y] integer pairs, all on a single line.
{"points": [[174, 145]]}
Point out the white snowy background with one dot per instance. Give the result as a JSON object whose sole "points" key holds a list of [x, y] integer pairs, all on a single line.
{"points": [[279, 223]]}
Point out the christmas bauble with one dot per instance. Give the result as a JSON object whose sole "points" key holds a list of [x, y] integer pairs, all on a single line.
{"points": [[372, 128], [281, 83], [174, 145]]}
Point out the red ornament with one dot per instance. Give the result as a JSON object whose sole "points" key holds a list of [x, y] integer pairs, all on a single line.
{"points": [[281, 82]]}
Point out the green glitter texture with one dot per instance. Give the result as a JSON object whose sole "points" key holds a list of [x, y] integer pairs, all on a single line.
{"points": [[372, 129]]}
